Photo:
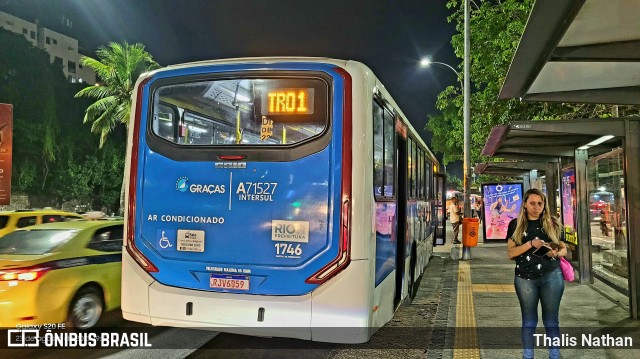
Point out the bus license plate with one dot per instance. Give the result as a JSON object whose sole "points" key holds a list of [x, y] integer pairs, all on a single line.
{"points": [[224, 281]]}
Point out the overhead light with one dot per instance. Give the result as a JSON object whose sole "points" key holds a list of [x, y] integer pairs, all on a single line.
{"points": [[241, 98], [600, 140], [197, 129], [596, 142]]}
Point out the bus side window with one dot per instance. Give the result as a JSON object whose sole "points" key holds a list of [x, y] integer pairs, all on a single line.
{"points": [[389, 153], [414, 170], [410, 164], [383, 151], [378, 150], [430, 181], [420, 174]]}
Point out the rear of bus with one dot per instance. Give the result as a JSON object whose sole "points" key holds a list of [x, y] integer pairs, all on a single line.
{"points": [[239, 202]]}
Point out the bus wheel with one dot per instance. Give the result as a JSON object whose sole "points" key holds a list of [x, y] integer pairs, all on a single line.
{"points": [[86, 308]]}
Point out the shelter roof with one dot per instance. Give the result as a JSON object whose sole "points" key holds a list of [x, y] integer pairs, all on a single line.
{"points": [[585, 51], [529, 145]]}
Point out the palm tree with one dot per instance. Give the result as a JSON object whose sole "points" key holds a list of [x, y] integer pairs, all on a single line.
{"points": [[118, 66]]}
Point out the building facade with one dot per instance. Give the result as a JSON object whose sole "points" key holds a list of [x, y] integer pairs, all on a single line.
{"points": [[62, 49]]}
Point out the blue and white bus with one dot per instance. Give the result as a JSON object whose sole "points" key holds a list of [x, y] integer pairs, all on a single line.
{"points": [[283, 197]]}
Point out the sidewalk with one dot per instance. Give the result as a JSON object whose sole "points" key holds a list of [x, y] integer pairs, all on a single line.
{"points": [[477, 298]]}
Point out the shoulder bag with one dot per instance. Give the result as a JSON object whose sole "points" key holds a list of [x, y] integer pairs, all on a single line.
{"points": [[567, 270]]}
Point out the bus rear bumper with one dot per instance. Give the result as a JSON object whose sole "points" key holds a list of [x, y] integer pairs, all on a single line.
{"points": [[336, 312], [244, 314]]}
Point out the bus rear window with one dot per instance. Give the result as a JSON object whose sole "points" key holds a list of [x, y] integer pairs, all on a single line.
{"points": [[232, 112]]}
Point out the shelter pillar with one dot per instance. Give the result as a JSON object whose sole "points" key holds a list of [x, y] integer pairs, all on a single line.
{"points": [[632, 184], [583, 230], [526, 182], [551, 180], [533, 179]]}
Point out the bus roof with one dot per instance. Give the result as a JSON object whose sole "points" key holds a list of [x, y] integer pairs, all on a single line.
{"points": [[260, 60]]}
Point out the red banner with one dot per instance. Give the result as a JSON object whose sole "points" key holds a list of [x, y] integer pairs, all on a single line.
{"points": [[6, 143]]}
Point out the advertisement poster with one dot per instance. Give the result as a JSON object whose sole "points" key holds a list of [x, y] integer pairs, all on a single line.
{"points": [[502, 203], [6, 136], [569, 205]]}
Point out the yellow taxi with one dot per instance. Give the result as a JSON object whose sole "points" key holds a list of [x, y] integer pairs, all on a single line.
{"points": [[10, 220], [65, 272]]}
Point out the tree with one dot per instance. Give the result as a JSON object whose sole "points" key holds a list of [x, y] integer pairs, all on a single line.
{"points": [[455, 183], [118, 66], [495, 30], [29, 82], [55, 157]]}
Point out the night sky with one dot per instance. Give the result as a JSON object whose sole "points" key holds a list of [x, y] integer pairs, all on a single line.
{"points": [[389, 36]]}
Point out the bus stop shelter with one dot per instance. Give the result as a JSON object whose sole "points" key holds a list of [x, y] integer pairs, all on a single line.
{"points": [[580, 51]]}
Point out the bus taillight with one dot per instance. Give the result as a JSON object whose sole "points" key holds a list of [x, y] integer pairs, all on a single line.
{"points": [[343, 258], [133, 180], [141, 259], [344, 252]]}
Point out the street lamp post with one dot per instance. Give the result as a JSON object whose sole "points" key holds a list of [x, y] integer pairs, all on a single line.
{"points": [[466, 89], [466, 251], [467, 208], [426, 62]]}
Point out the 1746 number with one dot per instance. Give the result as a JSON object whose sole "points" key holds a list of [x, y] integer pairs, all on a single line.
{"points": [[288, 248]]}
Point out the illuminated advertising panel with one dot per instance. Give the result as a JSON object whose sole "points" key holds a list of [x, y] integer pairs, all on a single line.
{"points": [[502, 203], [6, 136], [569, 205]]}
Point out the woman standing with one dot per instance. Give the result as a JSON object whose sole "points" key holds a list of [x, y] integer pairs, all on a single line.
{"points": [[538, 277]]}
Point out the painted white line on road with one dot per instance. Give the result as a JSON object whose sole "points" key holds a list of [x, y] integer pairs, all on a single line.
{"points": [[186, 341]]}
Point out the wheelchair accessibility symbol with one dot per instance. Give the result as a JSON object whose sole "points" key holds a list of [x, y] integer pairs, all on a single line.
{"points": [[164, 242]]}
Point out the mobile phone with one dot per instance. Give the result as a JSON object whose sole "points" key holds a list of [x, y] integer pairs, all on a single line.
{"points": [[541, 251]]}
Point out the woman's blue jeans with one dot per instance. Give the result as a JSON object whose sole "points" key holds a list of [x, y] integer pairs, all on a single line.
{"points": [[547, 290]]}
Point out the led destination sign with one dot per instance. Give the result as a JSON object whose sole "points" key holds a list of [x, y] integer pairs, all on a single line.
{"points": [[289, 101]]}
